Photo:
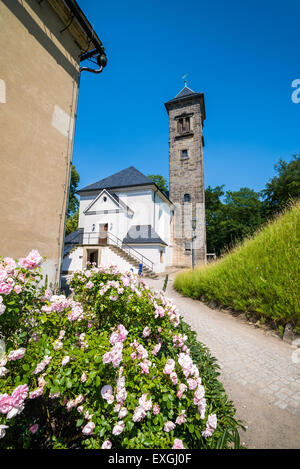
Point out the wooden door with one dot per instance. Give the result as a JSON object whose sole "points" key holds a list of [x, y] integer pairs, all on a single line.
{"points": [[103, 229]]}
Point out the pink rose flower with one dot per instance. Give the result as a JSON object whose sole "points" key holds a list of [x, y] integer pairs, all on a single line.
{"points": [[88, 429], [156, 409], [169, 366], [146, 331], [19, 395], [3, 429], [65, 360], [16, 354], [118, 428], [178, 444], [181, 418], [181, 390], [10, 265], [34, 428], [106, 444], [6, 403], [3, 275], [5, 288], [2, 308], [38, 392], [145, 368], [169, 426], [32, 261], [156, 349], [17, 289]]}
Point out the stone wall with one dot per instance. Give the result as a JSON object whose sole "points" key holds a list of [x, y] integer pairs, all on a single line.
{"points": [[186, 176]]}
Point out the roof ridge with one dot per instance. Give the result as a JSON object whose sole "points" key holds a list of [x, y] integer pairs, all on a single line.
{"points": [[185, 88]]}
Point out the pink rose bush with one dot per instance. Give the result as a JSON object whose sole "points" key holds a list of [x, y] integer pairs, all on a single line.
{"points": [[113, 366]]}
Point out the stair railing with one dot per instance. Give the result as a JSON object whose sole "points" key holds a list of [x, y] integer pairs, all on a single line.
{"points": [[107, 238], [130, 250]]}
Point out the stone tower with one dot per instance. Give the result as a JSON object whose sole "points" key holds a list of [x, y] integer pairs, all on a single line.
{"points": [[186, 175]]}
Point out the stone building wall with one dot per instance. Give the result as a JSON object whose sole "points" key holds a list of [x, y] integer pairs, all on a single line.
{"points": [[186, 176]]}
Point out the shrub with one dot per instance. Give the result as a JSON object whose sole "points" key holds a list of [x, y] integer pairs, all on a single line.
{"points": [[113, 366], [261, 275]]}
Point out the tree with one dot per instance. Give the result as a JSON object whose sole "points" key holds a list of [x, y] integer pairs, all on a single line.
{"points": [[229, 221], [213, 214], [241, 215], [160, 181], [283, 187], [72, 223], [73, 202]]}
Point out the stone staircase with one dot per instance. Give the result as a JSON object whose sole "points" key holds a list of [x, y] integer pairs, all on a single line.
{"points": [[132, 260]]}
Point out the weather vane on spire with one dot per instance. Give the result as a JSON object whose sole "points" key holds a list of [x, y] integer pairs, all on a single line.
{"points": [[184, 78]]}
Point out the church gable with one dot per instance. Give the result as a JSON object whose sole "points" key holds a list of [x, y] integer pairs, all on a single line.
{"points": [[106, 202]]}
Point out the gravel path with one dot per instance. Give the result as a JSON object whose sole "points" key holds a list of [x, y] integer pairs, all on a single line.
{"points": [[257, 371]]}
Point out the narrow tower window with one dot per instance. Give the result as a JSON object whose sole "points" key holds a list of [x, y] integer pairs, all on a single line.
{"points": [[184, 154], [187, 198]]}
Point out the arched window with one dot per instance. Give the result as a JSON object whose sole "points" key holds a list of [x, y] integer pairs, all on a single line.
{"points": [[187, 198]]}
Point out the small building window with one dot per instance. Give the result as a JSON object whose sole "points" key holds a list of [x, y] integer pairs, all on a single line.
{"points": [[187, 198], [187, 247], [184, 154], [161, 256]]}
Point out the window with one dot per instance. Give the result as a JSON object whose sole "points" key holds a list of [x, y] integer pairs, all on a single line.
{"points": [[161, 256], [187, 198], [184, 154], [104, 199], [183, 125], [187, 247]]}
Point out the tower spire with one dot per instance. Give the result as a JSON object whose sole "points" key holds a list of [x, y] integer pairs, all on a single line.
{"points": [[185, 81]]}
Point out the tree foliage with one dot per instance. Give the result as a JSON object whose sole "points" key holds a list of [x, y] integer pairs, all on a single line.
{"points": [[72, 223], [73, 202], [160, 181], [230, 220], [283, 187], [234, 215]]}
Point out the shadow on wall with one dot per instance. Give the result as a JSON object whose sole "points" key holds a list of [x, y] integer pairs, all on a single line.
{"points": [[33, 28]]}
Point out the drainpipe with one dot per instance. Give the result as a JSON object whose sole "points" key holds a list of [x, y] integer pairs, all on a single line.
{"points": [[154, 211]]}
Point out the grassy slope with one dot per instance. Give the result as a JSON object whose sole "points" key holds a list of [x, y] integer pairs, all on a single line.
{"points": [[261, 275]]}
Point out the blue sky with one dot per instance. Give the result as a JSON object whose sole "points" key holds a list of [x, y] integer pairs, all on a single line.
{"points": [[243, 55]]}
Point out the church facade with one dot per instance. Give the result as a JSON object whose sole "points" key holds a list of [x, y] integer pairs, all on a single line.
{"points": [[127, 221]]}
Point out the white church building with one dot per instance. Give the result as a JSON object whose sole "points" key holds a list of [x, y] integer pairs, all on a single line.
{"points": [[124, 220], [127, 221]]}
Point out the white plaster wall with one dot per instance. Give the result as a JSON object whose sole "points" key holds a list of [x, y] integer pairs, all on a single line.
{"points": [[140, 201], [85, 201], [153, 254], [109, 258], [73, 260]]}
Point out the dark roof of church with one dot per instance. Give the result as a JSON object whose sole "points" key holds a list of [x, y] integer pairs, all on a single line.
{"points": [[125, 178], [142, 234], [129, 177]]}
